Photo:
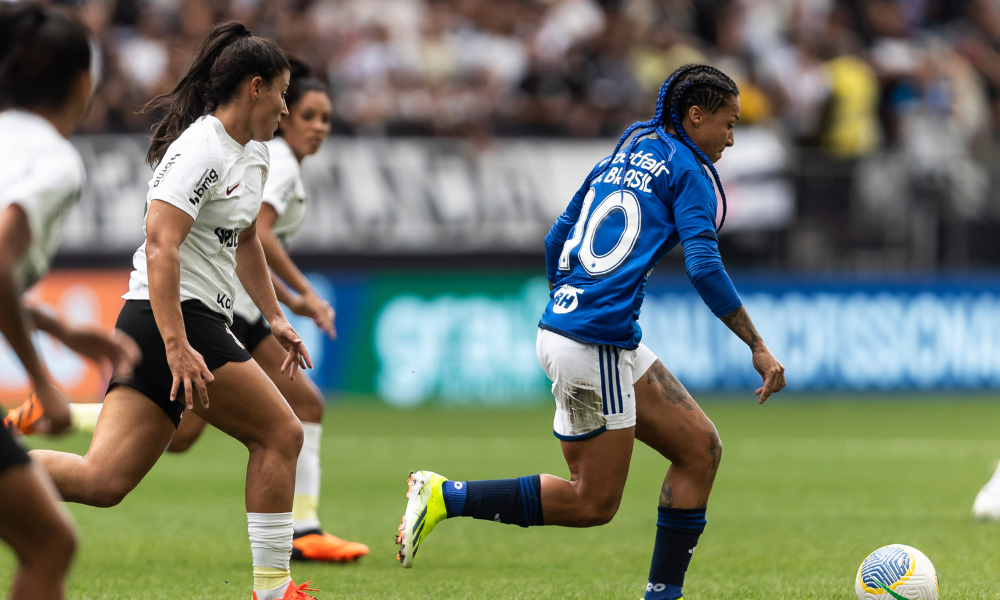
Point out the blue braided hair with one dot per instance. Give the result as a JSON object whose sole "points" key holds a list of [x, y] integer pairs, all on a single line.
{"points": [[690, 85]]}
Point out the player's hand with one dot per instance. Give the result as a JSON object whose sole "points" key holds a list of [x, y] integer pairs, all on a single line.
{"points": [[54, 407], [770, 371], [119, 348], [319, 310], [188, 369], [298, 356]]}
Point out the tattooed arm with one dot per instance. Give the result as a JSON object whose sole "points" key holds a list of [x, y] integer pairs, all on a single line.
{"points": [[739, 323], [771, 371]]}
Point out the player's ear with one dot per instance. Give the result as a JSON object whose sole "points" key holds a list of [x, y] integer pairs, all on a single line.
{"points": [[696, 114], [256, 87]]}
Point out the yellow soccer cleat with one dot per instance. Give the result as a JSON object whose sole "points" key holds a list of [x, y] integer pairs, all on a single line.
{"points": [[424, 510]]}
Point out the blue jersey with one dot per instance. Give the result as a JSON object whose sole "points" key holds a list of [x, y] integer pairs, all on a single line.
{"points": [[603, 247]]}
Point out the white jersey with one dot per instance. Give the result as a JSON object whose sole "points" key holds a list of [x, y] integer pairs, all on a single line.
{"points": [[218, 182], [287, 194], [41, 172]]}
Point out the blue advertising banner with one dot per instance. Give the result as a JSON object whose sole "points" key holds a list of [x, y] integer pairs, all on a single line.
{"points": [[469, 338], [463, 337]]}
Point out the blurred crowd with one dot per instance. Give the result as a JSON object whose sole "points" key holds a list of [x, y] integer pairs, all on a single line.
{"points": [[848, 75]]}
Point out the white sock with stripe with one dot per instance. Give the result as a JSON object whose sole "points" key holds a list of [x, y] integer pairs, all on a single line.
{"points": [[271, 547], [305, 516]]}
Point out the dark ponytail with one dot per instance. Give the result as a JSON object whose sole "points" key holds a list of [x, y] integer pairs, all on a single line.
{"points": [[690, 85], [228, 57], [42, 52]]}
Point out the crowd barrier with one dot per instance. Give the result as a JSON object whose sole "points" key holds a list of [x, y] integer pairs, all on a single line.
{"points": [[469, 337]]}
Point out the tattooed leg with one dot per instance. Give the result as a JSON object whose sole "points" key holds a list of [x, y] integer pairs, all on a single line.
{"points": [[670, 389], [669, 421]]}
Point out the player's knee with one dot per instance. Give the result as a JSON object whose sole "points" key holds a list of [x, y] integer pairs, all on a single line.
{"points": [[288, 439], [52, 552], [599, 514], [309, 407], [703, 451], [599, 511]]}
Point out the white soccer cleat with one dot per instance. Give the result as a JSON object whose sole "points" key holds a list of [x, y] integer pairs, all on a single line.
{"points": [[987, 504], [424, 510]]}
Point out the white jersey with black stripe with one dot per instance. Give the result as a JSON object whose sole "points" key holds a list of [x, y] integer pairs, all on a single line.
{"points": [[41, 172], [219, 183], [287, 194]]}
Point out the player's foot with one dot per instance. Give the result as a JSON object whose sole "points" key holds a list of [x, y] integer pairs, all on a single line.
{"points": [[987, 504], [26, 418], [295, 592], [424, 510], [321, 546]]}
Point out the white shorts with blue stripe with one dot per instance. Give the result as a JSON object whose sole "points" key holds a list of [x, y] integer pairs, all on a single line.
{"points": [[593, 385]]}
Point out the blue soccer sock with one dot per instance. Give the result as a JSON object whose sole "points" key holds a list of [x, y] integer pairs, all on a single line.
{"points": [[677, 533], [513, 501]]}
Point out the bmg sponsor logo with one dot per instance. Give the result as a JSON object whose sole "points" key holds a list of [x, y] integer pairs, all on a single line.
{"points": [[166, 169], [209, 178]]}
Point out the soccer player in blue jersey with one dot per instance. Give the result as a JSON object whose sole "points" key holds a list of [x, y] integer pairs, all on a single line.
{"points": [[610, 389]]}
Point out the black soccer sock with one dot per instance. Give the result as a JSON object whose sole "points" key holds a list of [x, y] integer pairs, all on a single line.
{"points": [[677, 533], [513, 501]]}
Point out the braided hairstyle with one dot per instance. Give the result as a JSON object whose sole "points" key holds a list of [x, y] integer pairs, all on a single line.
{"points": [[690, 85]]}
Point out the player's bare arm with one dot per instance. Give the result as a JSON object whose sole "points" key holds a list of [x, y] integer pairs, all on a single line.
{"points": [[306, 302], [771, 371], [251, 268], [14, 322], [115, 348], [166, 228]]}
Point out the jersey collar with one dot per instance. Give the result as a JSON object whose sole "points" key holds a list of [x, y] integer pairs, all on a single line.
{"points": [[223, 135]]}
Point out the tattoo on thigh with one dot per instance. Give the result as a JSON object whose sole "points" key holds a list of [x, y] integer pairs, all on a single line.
{"points": [[670, 389], [666, 495], [714, 450]]}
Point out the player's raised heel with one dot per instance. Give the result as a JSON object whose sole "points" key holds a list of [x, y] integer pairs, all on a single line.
{"points": [[424, 510]]}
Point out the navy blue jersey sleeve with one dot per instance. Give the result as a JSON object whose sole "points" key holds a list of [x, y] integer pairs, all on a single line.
{"points": [[694, 205], [557, 235]]}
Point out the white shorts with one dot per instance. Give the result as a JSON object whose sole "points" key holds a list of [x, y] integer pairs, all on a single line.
{"points": [[593, 385]]}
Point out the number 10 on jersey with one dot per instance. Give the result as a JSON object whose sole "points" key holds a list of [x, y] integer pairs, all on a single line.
{"points": [[586, 230]]}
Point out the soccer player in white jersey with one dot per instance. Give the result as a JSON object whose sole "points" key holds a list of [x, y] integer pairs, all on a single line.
{"points": [[281, 214], [46, 82], [210, 167], [609, 388]]}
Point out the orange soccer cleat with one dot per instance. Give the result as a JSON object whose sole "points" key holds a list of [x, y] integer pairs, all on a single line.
{"points": [[296, 592], [25, 418], [321, 546]]}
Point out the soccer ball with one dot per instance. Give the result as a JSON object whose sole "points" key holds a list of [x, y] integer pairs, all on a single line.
{"points": [[896, 572]]}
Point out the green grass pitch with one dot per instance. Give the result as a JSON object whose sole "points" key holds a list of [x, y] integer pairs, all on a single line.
{"points": [[806, 490]]}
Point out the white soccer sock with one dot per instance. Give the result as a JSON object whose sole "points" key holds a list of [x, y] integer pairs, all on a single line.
{"points": [[83, 417], [271, 547], [994, 483], [307, 480]]}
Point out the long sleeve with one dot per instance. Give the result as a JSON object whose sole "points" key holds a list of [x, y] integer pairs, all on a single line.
{"points": [[694, 214], [560, 230]]}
